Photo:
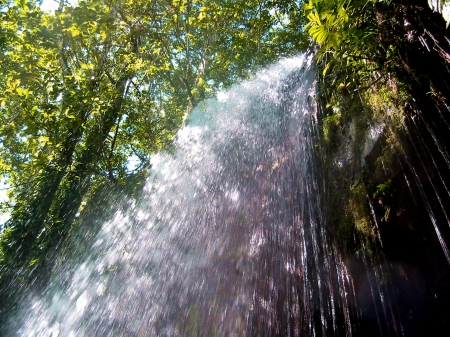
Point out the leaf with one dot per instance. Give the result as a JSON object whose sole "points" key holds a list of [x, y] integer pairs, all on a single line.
{"points": [[43, 139], [308, 6], [74, 31], [32, 263], [326, 68]]}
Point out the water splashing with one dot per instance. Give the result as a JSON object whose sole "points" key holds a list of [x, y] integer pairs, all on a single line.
{"points": [[229, 238]]}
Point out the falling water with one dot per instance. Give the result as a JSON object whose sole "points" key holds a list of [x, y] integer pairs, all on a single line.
{"points": [[229, 238]]}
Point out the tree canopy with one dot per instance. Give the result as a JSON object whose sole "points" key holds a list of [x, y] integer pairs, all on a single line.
{"points": [[94, 85]]}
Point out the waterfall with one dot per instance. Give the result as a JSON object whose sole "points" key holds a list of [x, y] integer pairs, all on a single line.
{"points": [[229, 238]]}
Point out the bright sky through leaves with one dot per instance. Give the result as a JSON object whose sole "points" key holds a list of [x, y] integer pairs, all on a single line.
{"points": [[52, 5]]}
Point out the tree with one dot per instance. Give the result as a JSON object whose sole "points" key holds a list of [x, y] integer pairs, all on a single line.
{"points": [[92, 85]]}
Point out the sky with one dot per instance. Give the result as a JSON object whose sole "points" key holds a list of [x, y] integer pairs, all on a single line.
{"points": [[49, 5]]}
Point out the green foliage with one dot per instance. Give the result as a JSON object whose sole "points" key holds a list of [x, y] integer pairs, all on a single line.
{"points": [[383, 189], [356, 56], [94, 85], [331, 125], [346, 32], [356, 231]]}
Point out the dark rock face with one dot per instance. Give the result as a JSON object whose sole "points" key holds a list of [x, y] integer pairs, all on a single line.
{"points": [[403, 269]]}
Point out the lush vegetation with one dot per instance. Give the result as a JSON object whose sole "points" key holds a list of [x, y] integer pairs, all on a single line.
{"points": [[384, 68], [374, 58], [365, 45], [91, 91]]}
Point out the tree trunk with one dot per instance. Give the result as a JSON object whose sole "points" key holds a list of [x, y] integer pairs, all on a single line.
{"points": [[80, 178], [27, 222]]}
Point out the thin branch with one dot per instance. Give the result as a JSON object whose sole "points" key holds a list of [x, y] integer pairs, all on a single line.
{"points": [[371, 84]]}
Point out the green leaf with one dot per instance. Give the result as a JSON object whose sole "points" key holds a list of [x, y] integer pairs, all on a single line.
{"points": [[326, 68], [33, 262]]}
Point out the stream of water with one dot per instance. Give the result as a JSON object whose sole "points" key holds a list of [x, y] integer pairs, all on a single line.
{"points": [[229, 238]]}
